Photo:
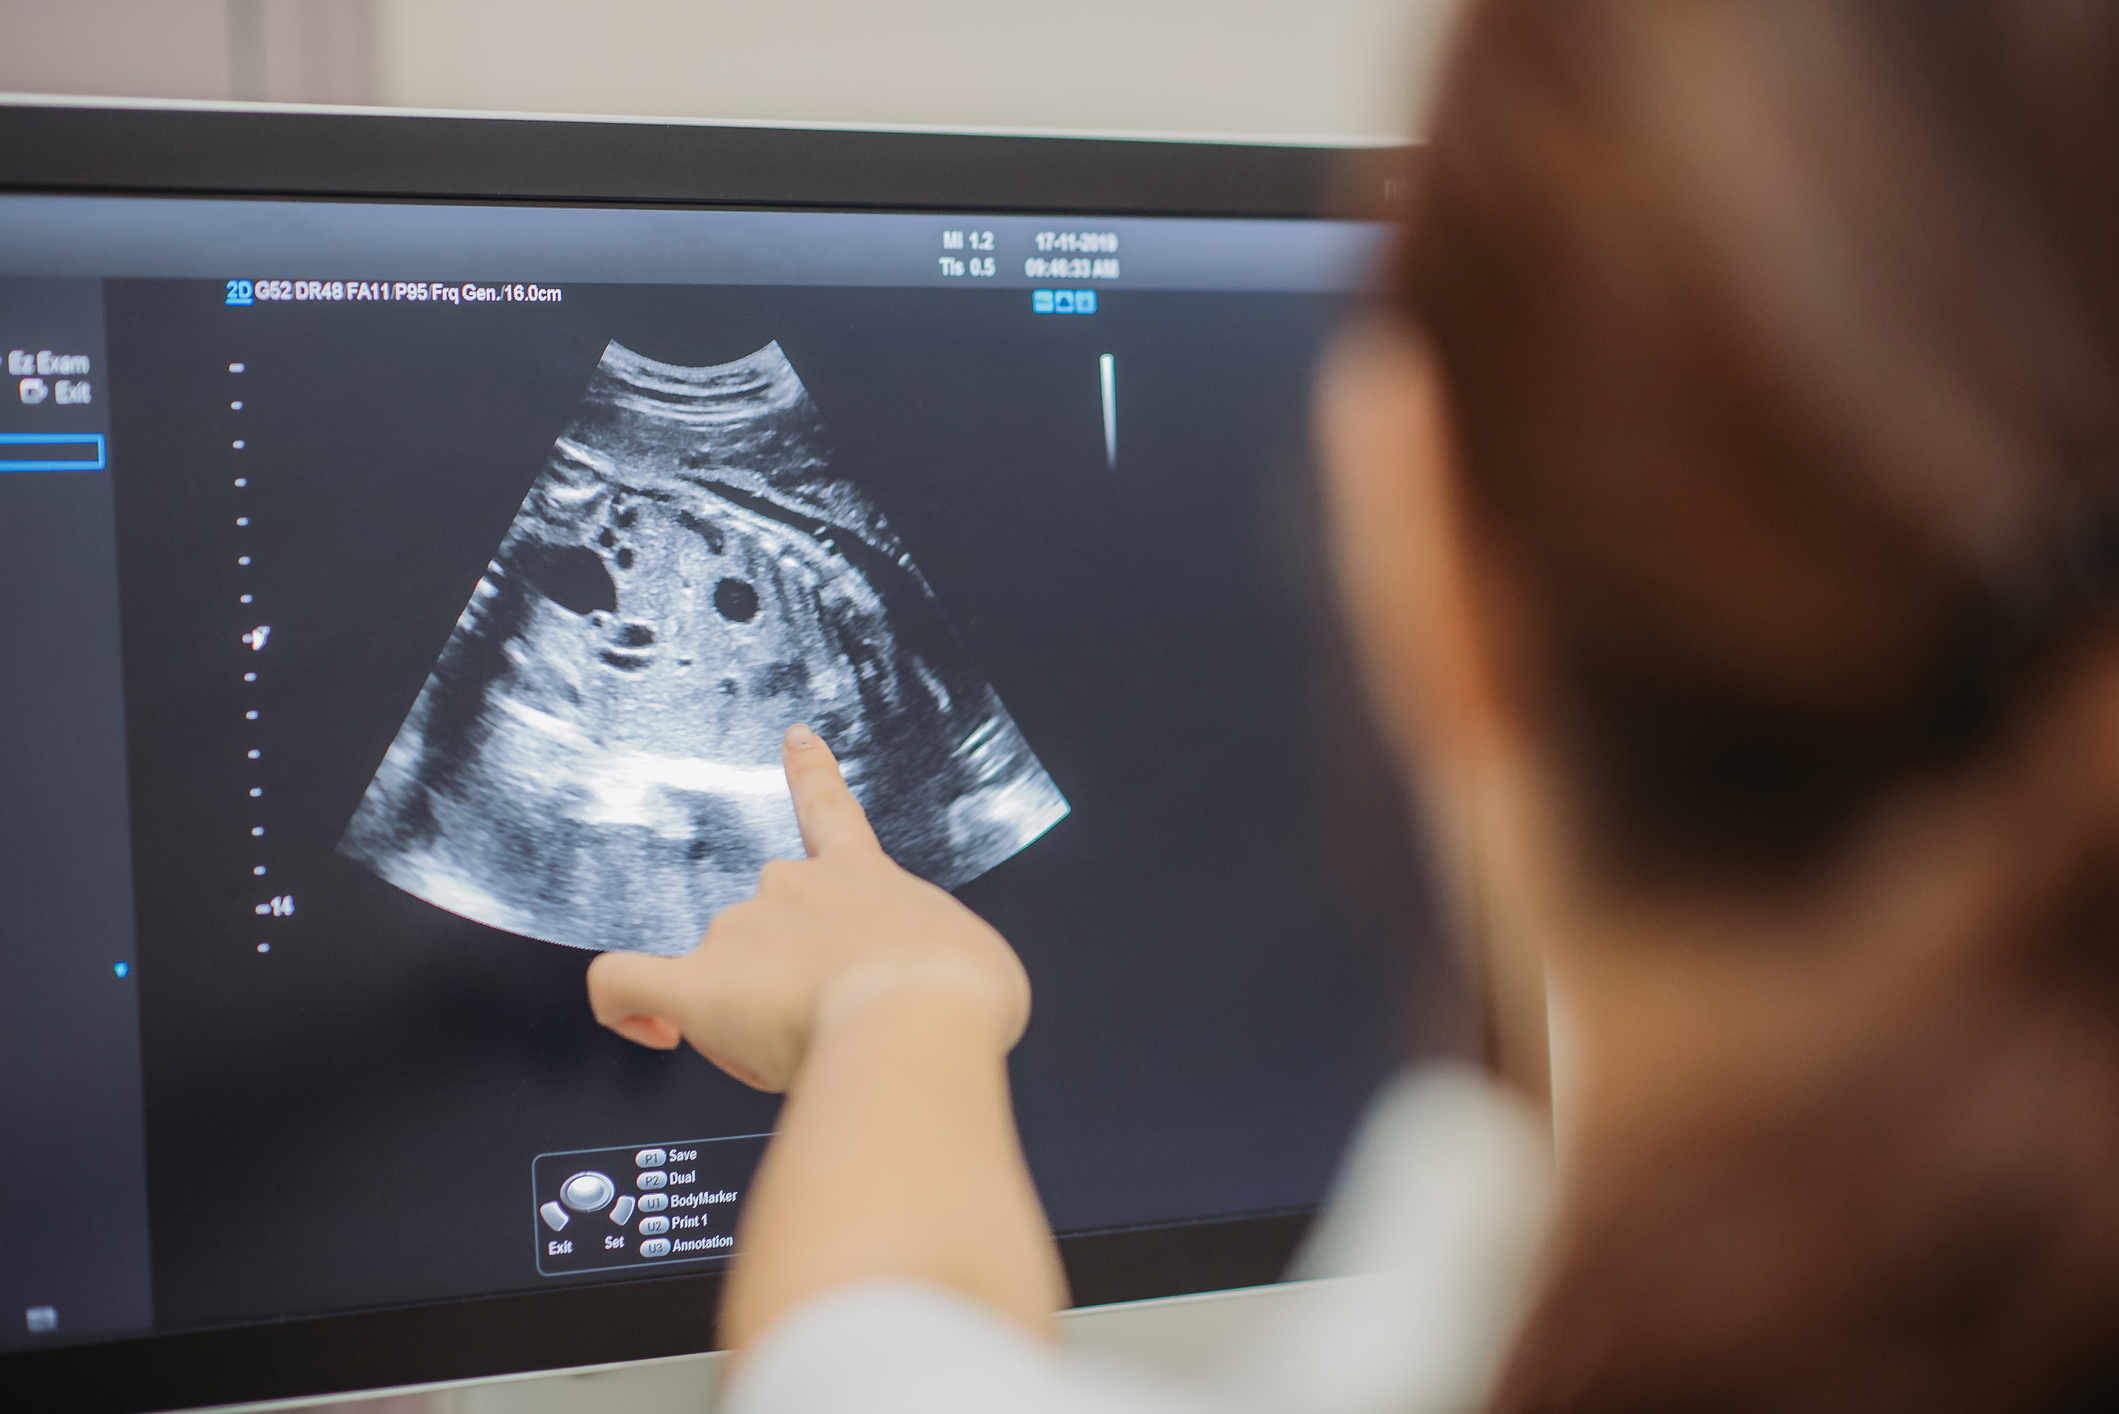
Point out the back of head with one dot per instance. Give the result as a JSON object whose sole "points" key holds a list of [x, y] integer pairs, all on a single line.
{"points": [[1781, 339]]}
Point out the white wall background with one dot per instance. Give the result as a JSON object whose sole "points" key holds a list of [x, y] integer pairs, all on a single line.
{"points": [[1299, 68]]}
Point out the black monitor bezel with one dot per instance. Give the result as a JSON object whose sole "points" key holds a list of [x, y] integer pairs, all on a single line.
{"points": [[180, 150], [175, 150]]}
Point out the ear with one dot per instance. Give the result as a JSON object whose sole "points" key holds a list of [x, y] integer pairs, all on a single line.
{"points": [[1416, 601], [1435, 623]]}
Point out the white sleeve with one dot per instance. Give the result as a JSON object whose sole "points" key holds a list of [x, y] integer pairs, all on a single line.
{"points": [[1421, 1271], [903, 1347], [1415, 1284]]}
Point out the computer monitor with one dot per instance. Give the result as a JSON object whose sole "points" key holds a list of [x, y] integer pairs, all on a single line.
{"points": [[418, 531]]}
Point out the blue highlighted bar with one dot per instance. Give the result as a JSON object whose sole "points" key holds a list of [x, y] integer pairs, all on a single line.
{"points": [[1063, 301], [51, 451]]}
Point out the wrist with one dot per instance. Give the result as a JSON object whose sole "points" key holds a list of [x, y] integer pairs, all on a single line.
{"points": [[938, 995]]}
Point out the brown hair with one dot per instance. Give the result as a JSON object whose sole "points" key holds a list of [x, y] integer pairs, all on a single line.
{"points": [[1782, 341]]}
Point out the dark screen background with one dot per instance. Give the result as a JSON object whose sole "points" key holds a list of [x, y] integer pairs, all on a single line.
{"points": [[349, 1119]]}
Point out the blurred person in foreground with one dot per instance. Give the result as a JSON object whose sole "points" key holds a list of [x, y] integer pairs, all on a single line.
{"points": [[1727, 514]]}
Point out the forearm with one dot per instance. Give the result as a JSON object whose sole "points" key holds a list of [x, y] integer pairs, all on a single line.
{"points": [[897, 1156]]}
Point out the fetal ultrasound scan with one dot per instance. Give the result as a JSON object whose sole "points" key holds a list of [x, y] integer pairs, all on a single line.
{"points": [[595, 759]]}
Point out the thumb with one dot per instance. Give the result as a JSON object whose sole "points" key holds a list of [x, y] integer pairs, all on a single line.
{"points": [[636, 996]]}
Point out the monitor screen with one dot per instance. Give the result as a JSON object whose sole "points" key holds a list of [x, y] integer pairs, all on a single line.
{"points": [[409, 598]]}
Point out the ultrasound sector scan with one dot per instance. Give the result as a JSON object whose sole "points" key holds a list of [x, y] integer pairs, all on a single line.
{"points": [[595, 759]]}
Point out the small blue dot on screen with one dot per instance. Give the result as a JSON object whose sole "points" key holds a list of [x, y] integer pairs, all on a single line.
{"points": [[123, 969]]}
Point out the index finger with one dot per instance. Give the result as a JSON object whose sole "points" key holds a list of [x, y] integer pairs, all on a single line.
{"points": [[832, 821]]}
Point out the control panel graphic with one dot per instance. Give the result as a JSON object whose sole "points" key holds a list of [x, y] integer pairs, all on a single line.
{"points": [[660, 1204]]}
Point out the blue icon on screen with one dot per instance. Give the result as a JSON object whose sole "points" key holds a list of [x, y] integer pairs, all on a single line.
{"points": [[1063, 301], [123, 969]]}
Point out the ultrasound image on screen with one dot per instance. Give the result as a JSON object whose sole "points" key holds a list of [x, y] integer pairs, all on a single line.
{"points": [[595, 759]]}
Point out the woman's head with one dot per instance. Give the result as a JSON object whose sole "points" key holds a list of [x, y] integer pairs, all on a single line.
{"points": [[1781, 342], [1747, 484]]}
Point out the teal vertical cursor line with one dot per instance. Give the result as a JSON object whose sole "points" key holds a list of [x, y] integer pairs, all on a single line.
{"points": [[1107, 367]]}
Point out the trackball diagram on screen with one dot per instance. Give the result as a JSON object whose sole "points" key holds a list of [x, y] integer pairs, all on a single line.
{"points": [[595, 758]]}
